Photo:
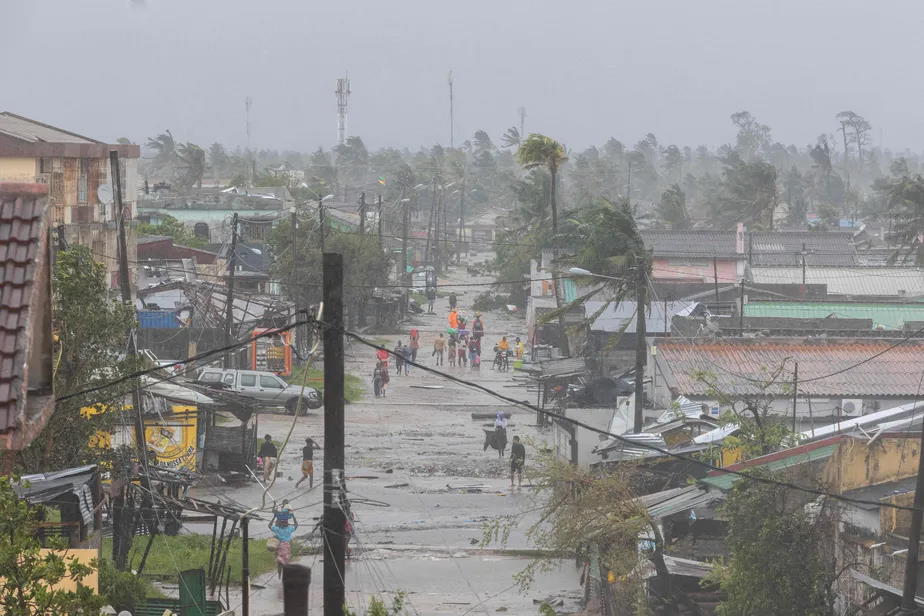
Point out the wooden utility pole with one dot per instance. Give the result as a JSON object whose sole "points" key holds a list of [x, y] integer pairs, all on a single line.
{"points": [[715, 278], [379, 205], [741, 311], [795, 395], [334, 517], [321, 221], [641, 348], [119, 535], [229, 305], [362, 213]]}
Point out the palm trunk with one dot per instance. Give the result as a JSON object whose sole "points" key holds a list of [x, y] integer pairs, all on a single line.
{"points": [[553, 199]]}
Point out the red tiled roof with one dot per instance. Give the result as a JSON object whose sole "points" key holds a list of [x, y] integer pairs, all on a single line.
{"points": [[741, 365], [22, 213]]}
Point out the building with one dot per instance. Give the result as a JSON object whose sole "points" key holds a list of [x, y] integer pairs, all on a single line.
{"points": [[883, 316], [74, 168], [26, 385], [846, 283], [837, 378], [723, 256]]}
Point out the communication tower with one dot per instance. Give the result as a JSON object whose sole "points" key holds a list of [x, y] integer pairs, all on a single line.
{"points": [[343, 98]]}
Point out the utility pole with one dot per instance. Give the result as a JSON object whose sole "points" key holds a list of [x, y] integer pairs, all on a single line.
{"points": [[803, 269], [914, 538], [715, 278], [321, 220], [741, 311], [334, 517], [461, 221], [126, 289], [379, 205], [245, 567], [641, 348], [405, 221], [430, 225], [795, 395], [229, 305], [362, 213], [452, 134]]}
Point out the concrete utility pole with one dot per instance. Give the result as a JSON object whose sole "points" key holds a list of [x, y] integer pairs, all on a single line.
{"points": [[321, 220], [334, 517], [229, 305], [452, 130], [641, 348], [461, 221], [379, 205], [245, 567], [914, 539], [362, 213]]}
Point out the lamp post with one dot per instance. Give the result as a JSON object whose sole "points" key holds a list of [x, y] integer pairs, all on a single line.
{"points": [[321, 201], [641, 349]]}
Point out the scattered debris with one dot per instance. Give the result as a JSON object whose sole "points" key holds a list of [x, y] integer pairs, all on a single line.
{"points": [[398, 485]]}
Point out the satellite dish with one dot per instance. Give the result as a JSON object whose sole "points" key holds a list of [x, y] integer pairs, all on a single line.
{"points": [[104, 194]]}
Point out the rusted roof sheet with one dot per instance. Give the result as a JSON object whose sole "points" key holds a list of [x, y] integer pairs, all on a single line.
{"points": [[22, 213], [742, 365]]}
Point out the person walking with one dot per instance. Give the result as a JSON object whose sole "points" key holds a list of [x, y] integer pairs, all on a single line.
{"points": [[439, 347], [519, 348], [453, 318], [308, 462], [431, 297], [451, 346], [477, 327], [283, 532], [463, 351], [399, 357], [415, 345], [452, 300], [474, 352], [268, 453], [380, 378], [517, 461]]}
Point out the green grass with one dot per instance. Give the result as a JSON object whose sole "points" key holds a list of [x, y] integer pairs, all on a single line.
{"points": [[169, 555], [354, 388]]}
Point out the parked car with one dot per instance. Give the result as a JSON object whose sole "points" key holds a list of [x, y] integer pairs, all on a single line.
{"points": [[265, 387]]}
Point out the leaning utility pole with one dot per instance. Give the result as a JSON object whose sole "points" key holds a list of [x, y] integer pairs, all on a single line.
{"points": [[229, 305], [119, 536], [334, 517]]}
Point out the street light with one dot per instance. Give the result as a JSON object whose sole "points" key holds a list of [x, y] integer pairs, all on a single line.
{"points": [[580, 271]]}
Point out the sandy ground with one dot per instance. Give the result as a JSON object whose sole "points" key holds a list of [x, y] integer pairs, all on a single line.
{"points": [[408, 454]]}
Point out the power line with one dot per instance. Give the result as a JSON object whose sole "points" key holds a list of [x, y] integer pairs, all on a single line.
{"points": [[622, 439]]}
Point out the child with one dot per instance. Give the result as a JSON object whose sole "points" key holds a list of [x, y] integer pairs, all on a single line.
{"points": [[451, 345], [283, 532]]}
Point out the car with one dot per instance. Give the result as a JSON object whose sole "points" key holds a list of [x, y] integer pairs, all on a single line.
{"points": [[265, 387]]}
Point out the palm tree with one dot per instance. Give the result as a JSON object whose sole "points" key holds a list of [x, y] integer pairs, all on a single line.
{"points": [[542, 151], [511, 138], [608, 243], [193, 158]]}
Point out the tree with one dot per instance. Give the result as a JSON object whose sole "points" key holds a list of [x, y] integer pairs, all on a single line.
{"points": [[782, 557], [218, 158], [91, 330], [859, 127], [906, 203], [27, 573], [607, 242], [752, 137], [193, 159], [542, 151], [672, 209], [164, 147], [794, 189], [511, 138], [748, 193]]}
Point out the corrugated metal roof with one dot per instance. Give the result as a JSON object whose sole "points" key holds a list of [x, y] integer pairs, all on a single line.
{"points": [[743, 365], [657, 318], [32, 131], [677, 500], [690, 243], [764, 247], [781, 460], [849, 281], [21, 228], [889, 316]]}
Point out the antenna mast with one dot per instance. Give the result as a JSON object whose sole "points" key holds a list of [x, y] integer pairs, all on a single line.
{"points": [[343, 97], [452, 136]]}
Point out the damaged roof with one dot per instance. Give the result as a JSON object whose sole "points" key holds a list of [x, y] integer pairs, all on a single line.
{"points": [[827, 367]]}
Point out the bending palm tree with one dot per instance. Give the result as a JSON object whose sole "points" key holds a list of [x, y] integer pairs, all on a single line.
{"points": [[608, 244], [542, 151]]}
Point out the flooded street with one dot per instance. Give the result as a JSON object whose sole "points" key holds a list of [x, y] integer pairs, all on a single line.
{"points": [[420, 484]]}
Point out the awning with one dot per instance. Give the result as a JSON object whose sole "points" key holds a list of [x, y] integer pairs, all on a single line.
{"points": [[678, 500], [882, 586], [46, 488]]}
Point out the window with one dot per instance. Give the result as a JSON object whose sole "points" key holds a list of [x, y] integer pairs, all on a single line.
{"points": [[270, 381], [210, 377], [248, 380], [229, 379], [201, 231]]}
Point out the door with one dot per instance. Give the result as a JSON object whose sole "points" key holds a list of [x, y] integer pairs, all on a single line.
{"points": [[192, 593], [247, 385], [271, 387]]}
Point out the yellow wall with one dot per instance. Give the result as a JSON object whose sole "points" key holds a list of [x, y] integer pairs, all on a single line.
{"points": [[857, 463], [17, 169], [84, 557]]}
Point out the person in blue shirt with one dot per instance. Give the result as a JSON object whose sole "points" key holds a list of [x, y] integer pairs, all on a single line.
{"points": [[283, 530]]}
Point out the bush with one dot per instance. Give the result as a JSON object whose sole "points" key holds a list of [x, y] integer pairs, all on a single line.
{"points": [[490, 301], [122, 589]]}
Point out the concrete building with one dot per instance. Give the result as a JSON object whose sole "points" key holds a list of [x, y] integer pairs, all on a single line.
{"points": [[73, 167]]}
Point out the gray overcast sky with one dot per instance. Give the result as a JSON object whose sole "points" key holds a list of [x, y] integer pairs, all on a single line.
{"points": [[584, 70]]}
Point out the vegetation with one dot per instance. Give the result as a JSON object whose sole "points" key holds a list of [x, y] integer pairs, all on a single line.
{"points": [[781, 553], [171, 554], [27, 573], [91, 329], [378, 607], [171, 227], [354, 386]]}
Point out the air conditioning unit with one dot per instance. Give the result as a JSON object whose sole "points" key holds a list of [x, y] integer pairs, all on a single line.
{"points": [[852, 407]]}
